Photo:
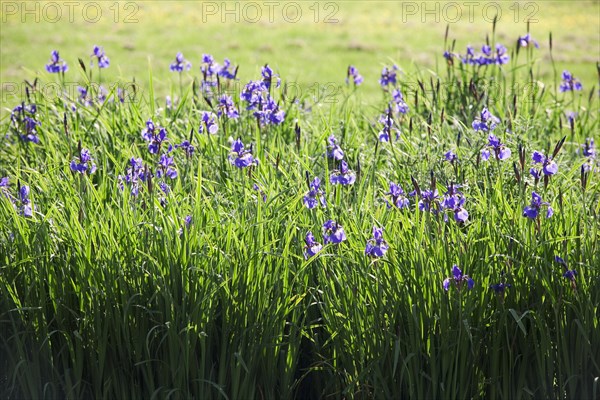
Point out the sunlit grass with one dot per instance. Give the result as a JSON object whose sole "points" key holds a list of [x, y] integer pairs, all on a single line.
{"points": [[104, 294]]}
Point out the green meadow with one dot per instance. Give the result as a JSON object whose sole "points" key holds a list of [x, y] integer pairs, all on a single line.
{"points": [[275, 232]]}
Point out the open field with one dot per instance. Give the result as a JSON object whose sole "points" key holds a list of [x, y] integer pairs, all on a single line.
{"points": [[310, 45], [431, 232]]}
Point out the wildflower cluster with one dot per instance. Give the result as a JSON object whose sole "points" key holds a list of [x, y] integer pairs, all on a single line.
{"points": [[487, 56], [495, 147], [25, 123], [357, 78], [398, 199], [342, 176], [377, 246], [485, 121], [83, 164], [213, 72], [135, 176], [56, 64], [21, 202], [389, 127], [532, 211], [333, 232], [315, 195], [208, 123], [569, 83], [241, 157], [548, 165], [100, 55], [526, 41], [226, 107], [258, 98], [155, 136], [180, 64], [589, 152], [389, 76], [335, 151], [454, 202], [458, 279]]}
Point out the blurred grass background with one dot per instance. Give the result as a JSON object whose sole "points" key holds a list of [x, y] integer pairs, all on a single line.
{"points": [[304, 41]]}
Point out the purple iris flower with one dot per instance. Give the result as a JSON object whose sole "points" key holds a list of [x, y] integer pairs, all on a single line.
{"points": [[487, 56], [569, 274], [571, 117], [356, 77], [4, 187], [397, 104], [312, 246], [549, 167], [26, 209], [187, 147], [458, 280], [469, 56], [569, 82], [208, 123], [30, 134], [23, 117], [224, 71], [335, 151], [269, 113], [253, 94], [525, 41], [589, 151], [398, 198], [450, 156], [84, 97], [388, 76], [532, 211], [134, 177], [102, 93], [501, 55], [22, 198], [180, 64], [84, 163], [56, 64], [227, 107], [343, 176], [333, 232], [187, 223], [240, 157], [449, 57], [267, 76], [486, 121], [103, 61], [209, 67], [500, 287], [166, 189], [430, 201], [388, 127], [454, 201], [486, 50], [155, 136], [377, 246], [166, 167], [500, 151], [315, 195]]}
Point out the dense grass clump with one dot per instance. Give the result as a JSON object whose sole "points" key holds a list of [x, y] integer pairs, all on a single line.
{"points": [[161, 250]]}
